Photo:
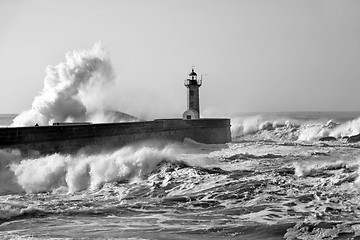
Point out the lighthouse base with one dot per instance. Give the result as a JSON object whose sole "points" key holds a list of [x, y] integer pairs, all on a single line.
{"points": [[191, 114]]}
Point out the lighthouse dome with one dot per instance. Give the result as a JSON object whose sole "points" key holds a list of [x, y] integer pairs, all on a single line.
{"points": [[192, 73]]}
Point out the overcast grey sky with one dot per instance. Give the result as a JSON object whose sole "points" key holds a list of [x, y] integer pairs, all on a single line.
{"points": [[258, 55]]}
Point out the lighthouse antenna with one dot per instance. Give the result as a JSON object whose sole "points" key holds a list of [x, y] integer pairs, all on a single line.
{"points": [[201, 79]]}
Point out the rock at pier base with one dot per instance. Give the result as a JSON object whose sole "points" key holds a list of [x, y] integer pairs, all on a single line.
{"points": [[327, 139], [354, 138]]}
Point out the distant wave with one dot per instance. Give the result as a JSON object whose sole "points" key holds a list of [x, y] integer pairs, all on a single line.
{"points": [[260, 128]]}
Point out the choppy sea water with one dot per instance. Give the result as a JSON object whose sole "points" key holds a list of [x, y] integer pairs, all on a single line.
{"points": [[275, 180]]}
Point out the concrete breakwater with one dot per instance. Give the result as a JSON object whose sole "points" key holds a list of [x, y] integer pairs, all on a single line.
{"points": [[72, 138]]}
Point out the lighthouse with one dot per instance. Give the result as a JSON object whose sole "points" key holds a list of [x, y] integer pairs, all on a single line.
{"points": [[192, 84]]}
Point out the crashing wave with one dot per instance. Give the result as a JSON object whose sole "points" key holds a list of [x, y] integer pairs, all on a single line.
{"points": [[75, 90]]}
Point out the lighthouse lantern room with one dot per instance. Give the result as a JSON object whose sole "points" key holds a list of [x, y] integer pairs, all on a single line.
{"points": [[192, 84]]}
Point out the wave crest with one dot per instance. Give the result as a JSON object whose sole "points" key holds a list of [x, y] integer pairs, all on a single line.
{"points": [[76, 173]]}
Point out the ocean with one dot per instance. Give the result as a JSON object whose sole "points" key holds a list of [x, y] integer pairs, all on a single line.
{"points": [[275, 180]]}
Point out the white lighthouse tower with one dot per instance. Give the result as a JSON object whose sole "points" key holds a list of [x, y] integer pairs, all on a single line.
{"points": [[192, 84]]}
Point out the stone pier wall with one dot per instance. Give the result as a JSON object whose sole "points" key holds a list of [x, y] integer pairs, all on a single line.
{"points": [[71, 138]]}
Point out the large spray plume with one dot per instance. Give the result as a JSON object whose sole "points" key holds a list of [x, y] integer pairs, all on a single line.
{"points": [[75, 90]]}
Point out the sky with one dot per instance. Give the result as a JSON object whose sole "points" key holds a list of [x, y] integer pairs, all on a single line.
{"points": [[255, 55]]}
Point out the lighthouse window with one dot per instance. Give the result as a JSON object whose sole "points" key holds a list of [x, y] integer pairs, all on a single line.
{"points": [[191, 93]]}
